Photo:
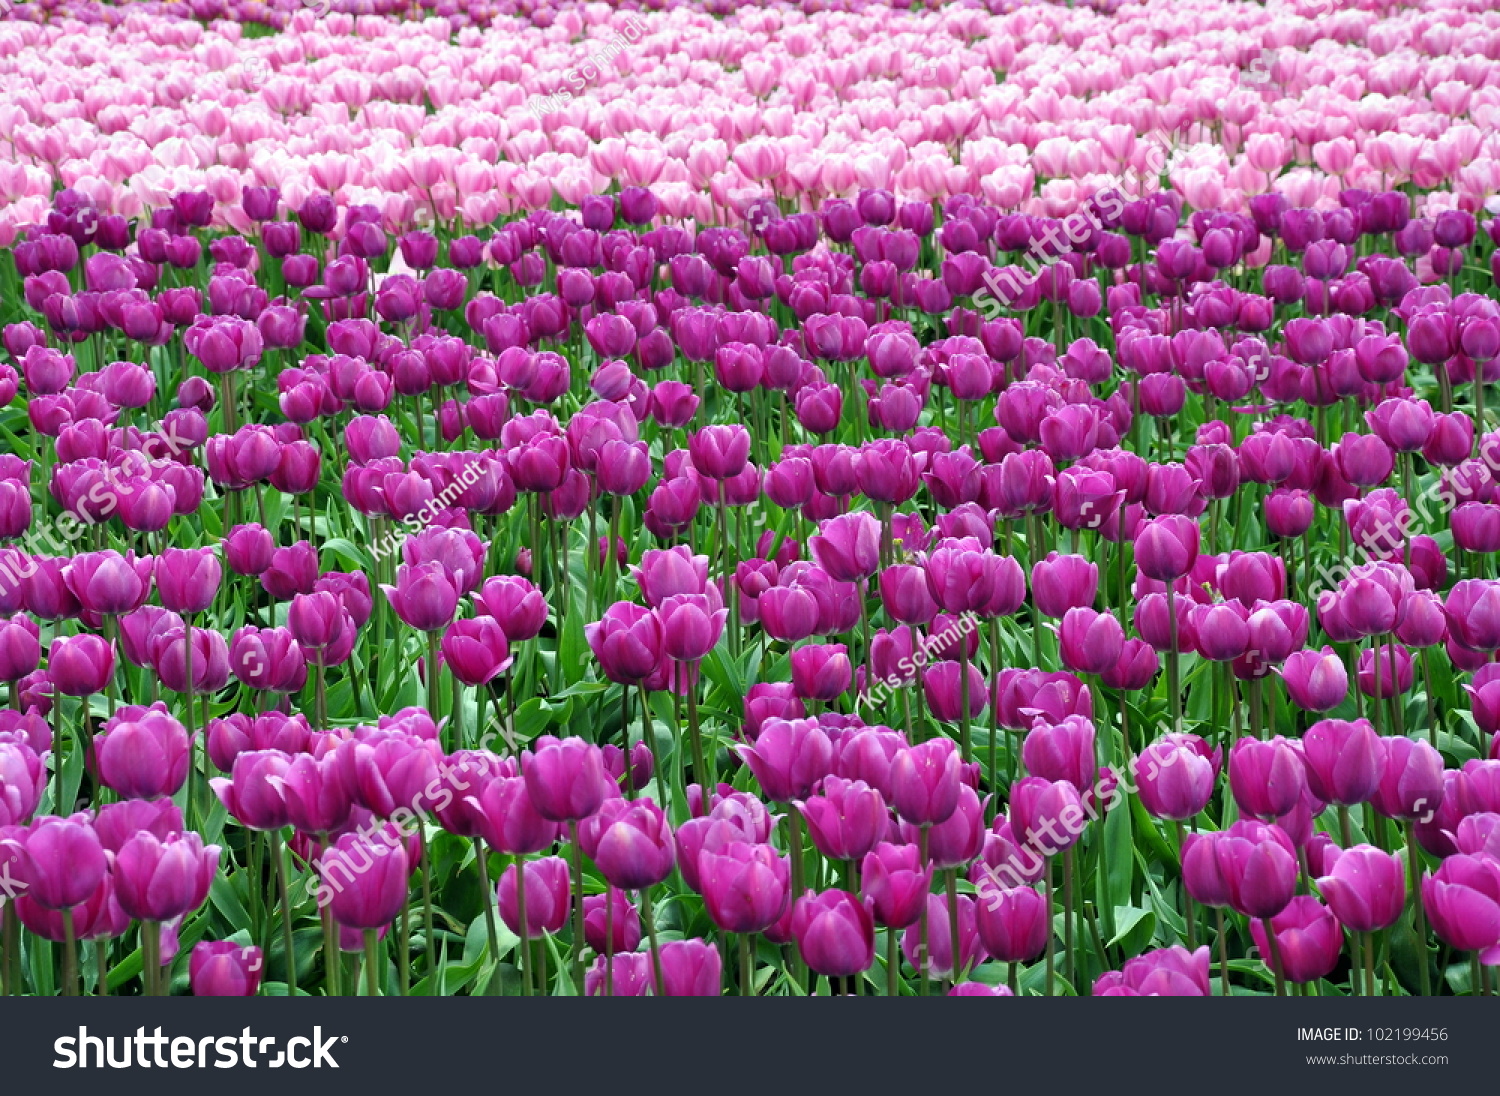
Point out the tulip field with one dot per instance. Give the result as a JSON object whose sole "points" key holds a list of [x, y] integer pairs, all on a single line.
{"points": [[811, 497]]}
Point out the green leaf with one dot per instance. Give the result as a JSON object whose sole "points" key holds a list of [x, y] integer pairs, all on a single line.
{"points": [[1135, 926], [222, 895], [348, 553], [1114, 890]]}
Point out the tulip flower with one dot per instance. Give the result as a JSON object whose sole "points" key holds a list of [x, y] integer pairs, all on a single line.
{"points": [[834, 933], [219, 968], [745, 887], [1267, 779], [142, 754], [1365, 888], [1309, 939], [159, 879], [1344, 761]]}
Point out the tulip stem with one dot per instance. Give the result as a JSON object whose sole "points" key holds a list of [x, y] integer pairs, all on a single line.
{"points": [[8, 963], [1275, 948], [922, 964], [403, 969], [747, 967], [1476, 976], [1189, 915], [963, 700], [953, 939], [101, 974], [893, 964], [481, 858], [608, 585], [332, 959], [372, 976], [258, 926], [1431, 712], [1414, 869], [649, 739], [320, 698], [994, 669], [609, 942], [650, 919], [794, 839], [426, 862], [1051, 962], [286, 913], [1369, 964], [432, 675], [1068, 917], [1223, 953], [1172, 668], [70, 956], [1257, 723], [578, 931], [700, 767], [526, 956], [151, 957]]}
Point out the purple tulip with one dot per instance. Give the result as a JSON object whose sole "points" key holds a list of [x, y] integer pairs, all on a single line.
{"points": [[1365, 888], [1267, 779], [187, 579], [364, 880], [1462, 900], [745, 886], [895, 884], [1013, 922], [943, 685], [1309, 939], [1167, 547], [1344, 761], [1167, 972], [834, 933], [515, 603], [142, 753], [1175, 776], [1259, 868], [627, 641], [1316, 681], [821, 671], [425, 596], [940, 960], [565, 778], [476, 651], [248, 550], [254, 795], [925, 781], [691, 968], [219, 968], [23, 778], [846, 819], [1060, 583], [508, 819], [789, 758], [1090, 642], [548, 899], [159, 879], [634, 850], [1062, 751], [80, 665], [1047, 815], [1411, 783]]}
